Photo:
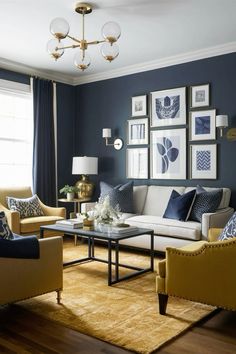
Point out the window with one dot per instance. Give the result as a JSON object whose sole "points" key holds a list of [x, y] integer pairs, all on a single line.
{"points": [[16, 134]]}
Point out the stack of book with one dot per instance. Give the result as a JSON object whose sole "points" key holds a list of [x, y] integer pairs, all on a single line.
{"points": [[70, 223], [123, 230]]}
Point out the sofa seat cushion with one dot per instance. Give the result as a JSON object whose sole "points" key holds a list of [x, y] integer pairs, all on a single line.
{"points": [[33, 224], [190, 230]]}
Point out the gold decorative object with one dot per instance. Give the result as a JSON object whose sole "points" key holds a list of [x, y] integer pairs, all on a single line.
{"points": [[85, 166], [60, 28], [86, 187], [88, 224], [231, 134]]}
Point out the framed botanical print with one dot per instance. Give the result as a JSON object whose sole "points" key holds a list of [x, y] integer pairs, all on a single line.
{"points": [[139, 106], [200, 96], [168, 154], [137, 163], [138, 131], [203, 161], [168, 107], [202, 125]]}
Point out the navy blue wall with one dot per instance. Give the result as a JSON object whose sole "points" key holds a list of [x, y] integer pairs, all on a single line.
{"points": [[107, 104]]}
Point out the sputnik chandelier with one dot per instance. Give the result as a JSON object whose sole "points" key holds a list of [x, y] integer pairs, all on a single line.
{"points": [[60, 28]]}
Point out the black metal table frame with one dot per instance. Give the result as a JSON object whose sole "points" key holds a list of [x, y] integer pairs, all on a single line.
{"points": [[111, 242]]}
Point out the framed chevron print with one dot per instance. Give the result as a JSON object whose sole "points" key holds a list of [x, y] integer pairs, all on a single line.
{"points": [[203, 162]]}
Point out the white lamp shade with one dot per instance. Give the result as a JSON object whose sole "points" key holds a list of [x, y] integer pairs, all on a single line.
{"points": [[83, 165], [106, 133], [222, 121]]}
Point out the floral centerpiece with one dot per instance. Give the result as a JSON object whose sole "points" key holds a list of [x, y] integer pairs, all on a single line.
{"points": [[104, 213]]}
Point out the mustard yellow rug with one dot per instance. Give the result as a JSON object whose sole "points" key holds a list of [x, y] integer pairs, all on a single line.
{"points": [[125, 314]]}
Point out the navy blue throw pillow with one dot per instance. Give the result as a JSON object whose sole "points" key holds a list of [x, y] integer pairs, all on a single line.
{"points": [[179, 206], [121, 195], [20, 247], [229, 230], [205, 202]]}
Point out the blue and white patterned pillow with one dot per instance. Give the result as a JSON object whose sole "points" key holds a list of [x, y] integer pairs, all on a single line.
{"points": [[27, 207], [205, 202], [121, 195], [229, 230], [5, 231]]}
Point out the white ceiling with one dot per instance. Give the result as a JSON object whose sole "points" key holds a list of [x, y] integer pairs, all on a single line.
{"points": [[151, 30]]}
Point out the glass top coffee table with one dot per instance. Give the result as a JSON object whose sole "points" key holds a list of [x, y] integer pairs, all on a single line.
{"points": [[113, 240]]}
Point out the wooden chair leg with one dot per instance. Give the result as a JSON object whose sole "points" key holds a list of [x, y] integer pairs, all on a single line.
{"points": [[59, 296], [163, 299]]}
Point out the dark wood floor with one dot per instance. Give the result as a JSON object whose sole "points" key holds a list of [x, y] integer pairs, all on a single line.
{"points": [[22, 332]]}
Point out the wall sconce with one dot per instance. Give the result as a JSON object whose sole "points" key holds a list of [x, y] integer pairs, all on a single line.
{"points": [[221, 123], [106, 134]]}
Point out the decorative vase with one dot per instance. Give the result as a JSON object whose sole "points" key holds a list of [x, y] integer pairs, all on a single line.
{"points": [[70, 196]]}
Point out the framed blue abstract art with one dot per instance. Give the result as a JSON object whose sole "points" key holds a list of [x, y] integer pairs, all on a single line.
{"points": [[168, 107], [168, 154], [203, 161], [202, 125]]}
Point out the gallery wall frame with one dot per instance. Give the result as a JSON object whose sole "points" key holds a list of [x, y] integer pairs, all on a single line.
{"points": [[137, 131], [139, 106], [203, 161], [202, 125], [168, 154], [137, 163], [200, 96], [168, 107]]}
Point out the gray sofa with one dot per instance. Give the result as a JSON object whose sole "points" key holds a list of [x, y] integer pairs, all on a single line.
{"points": [[150, 203]]}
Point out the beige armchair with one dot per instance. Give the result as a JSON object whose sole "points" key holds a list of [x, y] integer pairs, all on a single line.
{"points": [[202, 272], [24, 278], [28, 226]]}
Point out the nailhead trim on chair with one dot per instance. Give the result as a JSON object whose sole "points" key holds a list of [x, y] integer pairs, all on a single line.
{"points": [[187, 253], [30, 297]]}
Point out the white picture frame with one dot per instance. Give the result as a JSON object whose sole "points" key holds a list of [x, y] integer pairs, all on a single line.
{"points": [[203, 161], [200, 96], [137, 131], [139, 106], [168, 107], [168, 154], [202, 125], [137, 163]]}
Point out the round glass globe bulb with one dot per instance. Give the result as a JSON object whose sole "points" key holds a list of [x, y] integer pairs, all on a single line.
{"points": [[52, 48], [111, 31], [109, 52], [59, 28], [82, 60]]}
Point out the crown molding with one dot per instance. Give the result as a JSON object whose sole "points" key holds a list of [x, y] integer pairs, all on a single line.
{"points": [[127, 70], [28, 70], [160, 63]]}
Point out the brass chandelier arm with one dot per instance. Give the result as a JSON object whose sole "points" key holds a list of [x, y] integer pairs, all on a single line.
{"points": [[69, 46], [73, 38], [96, 42]]}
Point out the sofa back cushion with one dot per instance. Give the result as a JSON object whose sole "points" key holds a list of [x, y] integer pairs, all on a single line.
{"points": [[158, 198], [139, 198]]}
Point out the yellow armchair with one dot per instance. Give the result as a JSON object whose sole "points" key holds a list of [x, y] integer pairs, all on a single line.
{"points": [[202, 272], [25, 278], [28, 226]]}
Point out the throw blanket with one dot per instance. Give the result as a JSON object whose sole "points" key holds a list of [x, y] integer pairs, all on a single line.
{"points": [[20, 247]]}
